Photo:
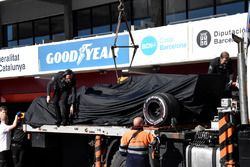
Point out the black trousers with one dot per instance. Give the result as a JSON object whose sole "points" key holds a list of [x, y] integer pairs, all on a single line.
{"points": [[18, 153], [6, 159], [60, 101], [134, 160]]}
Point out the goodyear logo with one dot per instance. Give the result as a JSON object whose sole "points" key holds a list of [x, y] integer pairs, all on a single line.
{"points": [[83, 54]]}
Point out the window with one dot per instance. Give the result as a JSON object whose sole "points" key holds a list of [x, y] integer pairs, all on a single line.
{"points": [[141, 13], [41, 30], [101, 19], [115, 13], [83, 22], [25, 33], [198, 8], [221, 2], [12, 35], [175, 10], [57, 27], [229, 6]]}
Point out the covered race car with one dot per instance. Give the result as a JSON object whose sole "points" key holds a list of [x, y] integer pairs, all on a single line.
{"points": [[161, 98]]}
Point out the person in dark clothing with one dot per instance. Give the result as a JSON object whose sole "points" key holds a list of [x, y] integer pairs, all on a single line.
{"points": [[64, 84], [223, 66], [19, 145]]}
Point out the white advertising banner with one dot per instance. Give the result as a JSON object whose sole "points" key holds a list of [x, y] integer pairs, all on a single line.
{"points": [[21, 61], [211, 37], [161, 45], [172, 44]]}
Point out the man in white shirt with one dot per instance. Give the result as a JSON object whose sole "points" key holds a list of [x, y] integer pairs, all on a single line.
{"points": [[5, 138]]}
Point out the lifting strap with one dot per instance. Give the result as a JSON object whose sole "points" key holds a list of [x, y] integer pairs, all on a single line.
{"points": [[123, 14]]}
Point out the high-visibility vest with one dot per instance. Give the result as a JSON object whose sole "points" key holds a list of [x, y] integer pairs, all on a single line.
{"points": [[137, 145]]}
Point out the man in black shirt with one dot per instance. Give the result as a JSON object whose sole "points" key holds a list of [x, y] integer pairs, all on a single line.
{"points": [[64, 84], [223, 65], [19, 145]]}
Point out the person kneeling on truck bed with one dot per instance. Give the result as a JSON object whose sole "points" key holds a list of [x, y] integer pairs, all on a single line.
{"points": [[63, 83]]}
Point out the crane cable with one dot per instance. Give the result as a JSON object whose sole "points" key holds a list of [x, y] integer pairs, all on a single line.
{"points": [[122, 14]]}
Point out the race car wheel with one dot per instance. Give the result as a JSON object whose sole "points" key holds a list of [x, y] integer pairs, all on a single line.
{"points": [[160, 109]]}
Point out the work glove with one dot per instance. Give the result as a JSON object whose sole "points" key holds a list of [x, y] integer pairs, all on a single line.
{"points": [[71, 110], [48, 99]]}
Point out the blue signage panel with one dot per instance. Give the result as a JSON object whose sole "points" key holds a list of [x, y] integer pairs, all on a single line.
{"points": [[90, 53]]}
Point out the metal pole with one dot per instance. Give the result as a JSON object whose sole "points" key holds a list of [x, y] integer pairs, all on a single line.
{"points": [[98, 152], [242, 79], [68, 19], [226, 139]]}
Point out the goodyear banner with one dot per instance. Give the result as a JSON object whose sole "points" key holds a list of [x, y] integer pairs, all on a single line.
{"points": [[161, 45], [87, 54]]}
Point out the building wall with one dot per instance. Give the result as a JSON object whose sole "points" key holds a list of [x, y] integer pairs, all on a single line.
{"points": [[28, 10], [19, 11], [78, 4], [29, 22]]}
